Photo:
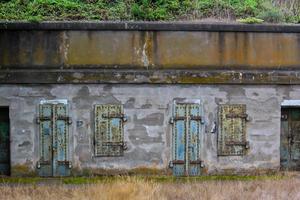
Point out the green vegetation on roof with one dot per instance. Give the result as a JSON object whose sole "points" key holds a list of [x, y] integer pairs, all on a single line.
{"points": [[150, 10]]}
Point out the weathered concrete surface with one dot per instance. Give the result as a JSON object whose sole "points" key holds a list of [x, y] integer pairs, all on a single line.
{"points": [[242, 77], [150, 26], [128, 52], [148, 50], [147, 132], [172, 56], [31, 49]]}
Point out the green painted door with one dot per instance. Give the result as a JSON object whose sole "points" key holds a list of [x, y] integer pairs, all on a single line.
{"points": [[186, 139], [4, 142], [53, 120], [290, 139]]}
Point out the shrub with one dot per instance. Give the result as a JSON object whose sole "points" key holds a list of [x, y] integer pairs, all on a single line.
{"points": [[36, 10], [250, 20]]}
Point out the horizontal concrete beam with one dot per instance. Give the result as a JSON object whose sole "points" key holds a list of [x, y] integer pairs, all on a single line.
{"points": [[148, 50], [149, 76], [149, 26]]}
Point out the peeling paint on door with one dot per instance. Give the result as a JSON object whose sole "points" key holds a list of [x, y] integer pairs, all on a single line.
{"points": [[54, 121], [187, 128]]}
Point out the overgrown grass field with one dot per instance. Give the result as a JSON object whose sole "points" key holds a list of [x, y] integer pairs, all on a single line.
{"points": [[263, 187], [153, 10]]}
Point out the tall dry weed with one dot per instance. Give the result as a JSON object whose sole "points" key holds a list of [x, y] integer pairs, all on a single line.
{"points": [[134, 188]]}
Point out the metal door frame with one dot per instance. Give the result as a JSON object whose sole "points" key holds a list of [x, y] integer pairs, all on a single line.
{"points": [[9, 136], [200, 139]]}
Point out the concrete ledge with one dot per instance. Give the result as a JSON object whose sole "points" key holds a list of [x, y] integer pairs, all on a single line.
{"points": [[149, 76], [149, 26]]}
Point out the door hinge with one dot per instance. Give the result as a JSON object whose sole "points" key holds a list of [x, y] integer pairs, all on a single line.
{"points": [[245, 144], [42, 162], [173, 119], [199, 162], [178, 162], [115, 144], [67, 119], [192, 117], [39, 119], [120, 116], [65, 162], [243, 116]]}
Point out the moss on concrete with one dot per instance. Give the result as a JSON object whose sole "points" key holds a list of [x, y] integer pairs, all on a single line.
{"points": [[22, 170], [145, 171]]}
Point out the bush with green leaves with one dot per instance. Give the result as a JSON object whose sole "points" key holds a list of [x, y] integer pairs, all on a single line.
{"points": [[153, 10], [251, 20]]}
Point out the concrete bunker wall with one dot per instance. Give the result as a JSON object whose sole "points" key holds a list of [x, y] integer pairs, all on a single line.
{"points": [[148, 132], [145, 67]]}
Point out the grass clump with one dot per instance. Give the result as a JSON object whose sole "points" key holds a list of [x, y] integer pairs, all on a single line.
{"points": [[251, 20], [150, 10]]}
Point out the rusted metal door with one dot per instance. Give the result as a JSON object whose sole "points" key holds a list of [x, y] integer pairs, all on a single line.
{"points": [[109, 137], [53, 120], [232, 130], [186, 139], [4, 142], [290, 139]]}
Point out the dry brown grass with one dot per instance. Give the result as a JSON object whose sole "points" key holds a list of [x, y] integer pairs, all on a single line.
{"points": [[133, 188]]}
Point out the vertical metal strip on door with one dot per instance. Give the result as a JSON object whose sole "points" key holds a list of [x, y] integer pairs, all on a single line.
{"points": [[284, 139], [46, 137], [194, 139], [101, 133], [179, 140], [60, 141], [116, 130]]}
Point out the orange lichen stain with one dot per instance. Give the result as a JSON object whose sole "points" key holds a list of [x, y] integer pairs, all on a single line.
{"points": [[39, 55], [256, 50], [96, 48]]}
